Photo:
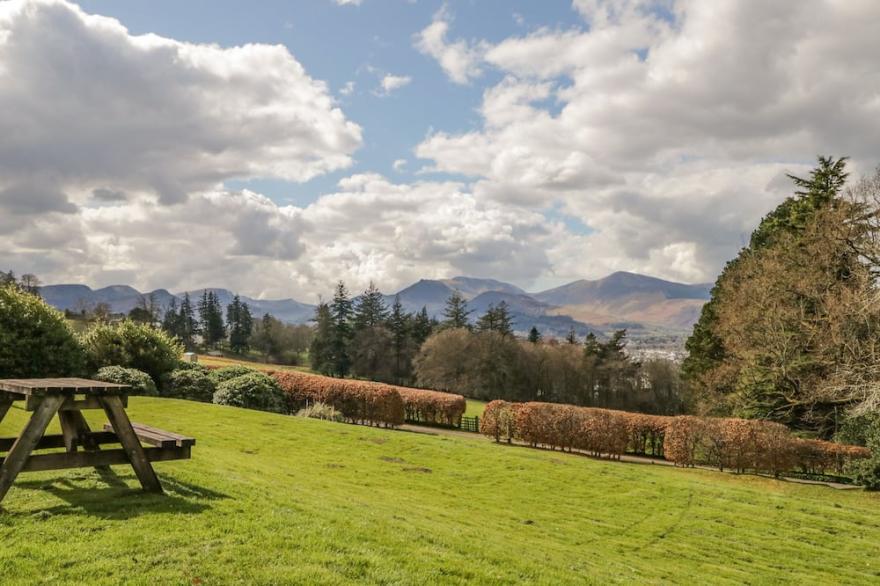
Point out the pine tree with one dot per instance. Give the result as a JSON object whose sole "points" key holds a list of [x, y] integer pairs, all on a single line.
{"points": [[212, 326], [189, 325], [571, 337], [504, 323], [488, 322], [534, 335], [456, 312], [321, 350], [398, 325], [341, 311], [240, 323], [370, 310], [422, 327], [171, 320]]}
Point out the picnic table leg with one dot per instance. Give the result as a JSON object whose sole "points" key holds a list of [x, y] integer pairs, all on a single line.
{"points": [[124, 431], [83, 431], [4, 408], [68, 430], [27, 441]]}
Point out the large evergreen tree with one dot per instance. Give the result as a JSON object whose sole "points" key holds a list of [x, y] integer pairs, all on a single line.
{"points": [[341, 311], [321, 349], [456, 314], [240, 324]]}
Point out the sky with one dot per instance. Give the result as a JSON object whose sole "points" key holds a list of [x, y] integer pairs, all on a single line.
{"points": [[274, 148]]}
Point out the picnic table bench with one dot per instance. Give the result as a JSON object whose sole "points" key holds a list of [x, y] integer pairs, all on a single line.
{"points": [[68, 397]]}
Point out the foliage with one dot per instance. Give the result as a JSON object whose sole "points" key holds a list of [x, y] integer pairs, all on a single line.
{"points": [[358, 401], [321, 349], [789, 332], [432, 406], [341, 310], [456, 314], [221, 375], [496, 319], [140, 382], [182, 323], [191, 384], [254, 390], [240, 324], [131, 345], [35, 339], [866, 472], [211, 326], [279, 342], [320, 411]]}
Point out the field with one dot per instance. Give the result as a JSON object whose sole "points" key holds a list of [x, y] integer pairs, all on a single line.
{"points": [[277, 499]]}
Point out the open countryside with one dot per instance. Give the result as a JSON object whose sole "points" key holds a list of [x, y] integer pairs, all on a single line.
{"points": [[439, 292]]}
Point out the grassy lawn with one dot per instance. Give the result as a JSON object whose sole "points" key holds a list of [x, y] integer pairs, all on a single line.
{"points": [[227, 361], [475, 408], [276, 499]]}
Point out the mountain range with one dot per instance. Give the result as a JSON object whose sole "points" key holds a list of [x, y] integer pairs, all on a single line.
{"points": [[622, 299]]}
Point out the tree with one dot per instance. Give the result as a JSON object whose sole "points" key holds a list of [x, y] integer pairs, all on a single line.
{"points": [[370, 309], [171, 321], [321, 350], [496, 319], [188, 324], [240, 325], [30, 284], [399, 325], [571, 337], [534, 335], [456, 312], [788, 332], [422, 327], [341, 310], [212, 328]]}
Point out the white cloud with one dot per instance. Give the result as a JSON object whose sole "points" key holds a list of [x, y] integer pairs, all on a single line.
{"points": [[347, 89], [348, 2], [459, 59], [670, 139], [389, 83], [399, 165], [85, 105]]}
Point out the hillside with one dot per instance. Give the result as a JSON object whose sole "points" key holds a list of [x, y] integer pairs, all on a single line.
{"points": [[621, 299], [629, 297], [275, 499]]}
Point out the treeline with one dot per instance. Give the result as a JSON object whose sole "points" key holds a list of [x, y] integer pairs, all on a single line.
{"points": [[483, 359]]}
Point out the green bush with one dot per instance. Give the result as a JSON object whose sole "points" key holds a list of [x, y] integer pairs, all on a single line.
{"points": [[867, 471], [140, 382], [252, 391], [221, 375], [35, 339], [181, 365], [132, 345], [192, 384]]}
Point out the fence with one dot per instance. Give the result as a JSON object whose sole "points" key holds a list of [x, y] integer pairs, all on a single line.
{"points": [[471, 424]]}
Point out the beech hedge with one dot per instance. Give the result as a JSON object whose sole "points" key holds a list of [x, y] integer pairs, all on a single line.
{"points": [[727, 443], [432, 406]]}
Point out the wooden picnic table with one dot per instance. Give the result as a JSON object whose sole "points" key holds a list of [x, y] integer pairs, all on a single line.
{"points": [[68, 397]]}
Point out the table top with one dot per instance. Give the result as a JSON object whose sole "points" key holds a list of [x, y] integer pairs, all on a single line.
{"points": [[49, 386]]}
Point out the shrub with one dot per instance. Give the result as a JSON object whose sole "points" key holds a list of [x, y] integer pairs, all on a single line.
{"points": [[140, 382], [432, 406], [191, 384], [251, 391], [221, 375], [321, 411], [35, 340], [132, 345], [499, 420], [358, 401], [865, 467], [183, 365]]}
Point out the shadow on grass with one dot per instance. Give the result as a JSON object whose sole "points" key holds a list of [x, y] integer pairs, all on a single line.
{"points": [[106, 495]]}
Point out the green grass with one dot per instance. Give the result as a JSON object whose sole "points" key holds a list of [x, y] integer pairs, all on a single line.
{"points": [[222, 361], [475, 408], [275, 499]]}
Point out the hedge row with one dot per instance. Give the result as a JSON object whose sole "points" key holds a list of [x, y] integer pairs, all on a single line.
{"points": [[358, 401], [432, 406], [371, 402], [737, 444]]}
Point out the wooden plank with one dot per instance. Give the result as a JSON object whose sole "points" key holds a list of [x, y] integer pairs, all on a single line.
{"points": [[122, 426], [181, 440], [57, 441], [71, 403], [27, 441], [64, 460], [48, 386], [149, 437]]}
